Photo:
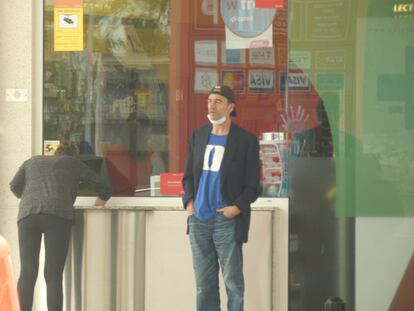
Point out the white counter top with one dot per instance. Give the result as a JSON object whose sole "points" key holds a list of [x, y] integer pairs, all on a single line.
{"points": [[165, 203]]}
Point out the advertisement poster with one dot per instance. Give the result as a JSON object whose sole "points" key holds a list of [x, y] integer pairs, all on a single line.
{"points": [[205, 52], [50, 146], [236, 42], [295, 81], [262, 56], [331, 60], [299, 60], [68, 25], [234, 79], [205, 80], [247, 26], [261, 81], [269, 4], [328, 20], [232, 57]]}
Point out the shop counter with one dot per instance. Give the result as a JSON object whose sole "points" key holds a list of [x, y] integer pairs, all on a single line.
{"points": [[134, 255]]}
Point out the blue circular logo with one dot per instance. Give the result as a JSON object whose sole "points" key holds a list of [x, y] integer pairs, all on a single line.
{"points": [[244, 20]]}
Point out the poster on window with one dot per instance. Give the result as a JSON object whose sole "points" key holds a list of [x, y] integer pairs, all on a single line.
{"points": [[262, 56], [234, 79], [295, 81], [68, 25], [299, 60], [234, 41], [205, 52], [262, 4], [261, 81], [205, 80], [246, 26], [232, 57], [50, 146]]}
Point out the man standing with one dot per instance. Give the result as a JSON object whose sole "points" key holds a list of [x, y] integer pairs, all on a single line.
{"points": [[220, 182]]}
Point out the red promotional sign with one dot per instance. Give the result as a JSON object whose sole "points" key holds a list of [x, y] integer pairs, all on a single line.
{"points": [[170, 184], [68, 4], [266, 4]]}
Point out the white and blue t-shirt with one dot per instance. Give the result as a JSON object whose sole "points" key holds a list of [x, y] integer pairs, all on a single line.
{"points": [[209, 197]]}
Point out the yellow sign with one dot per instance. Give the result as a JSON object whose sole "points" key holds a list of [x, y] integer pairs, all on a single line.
{"points": [[50, 146], [68, 29]]}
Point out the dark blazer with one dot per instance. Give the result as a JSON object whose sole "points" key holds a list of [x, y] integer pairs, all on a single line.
{"points": [[240, 173]]}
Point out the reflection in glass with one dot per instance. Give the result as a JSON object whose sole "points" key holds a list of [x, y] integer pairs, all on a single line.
{"points": [[111, 99]]}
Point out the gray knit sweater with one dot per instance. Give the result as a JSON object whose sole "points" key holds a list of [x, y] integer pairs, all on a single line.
{"points": [[49, 184]]}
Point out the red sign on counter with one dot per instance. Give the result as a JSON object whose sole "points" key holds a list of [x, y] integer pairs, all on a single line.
{"points": [[170, 184], [266, 4]]}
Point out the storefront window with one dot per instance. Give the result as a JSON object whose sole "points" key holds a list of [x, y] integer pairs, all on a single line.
{"points": [[335, 76], [111, 97], [131, 95]]}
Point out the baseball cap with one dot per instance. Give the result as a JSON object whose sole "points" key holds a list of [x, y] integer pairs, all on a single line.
{"points": [[226, 92]]}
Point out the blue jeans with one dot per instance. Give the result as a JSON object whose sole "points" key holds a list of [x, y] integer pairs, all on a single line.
{"points": [[213, 244]]}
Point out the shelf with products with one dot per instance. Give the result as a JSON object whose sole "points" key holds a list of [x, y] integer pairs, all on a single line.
{"points": [[118, 92]]}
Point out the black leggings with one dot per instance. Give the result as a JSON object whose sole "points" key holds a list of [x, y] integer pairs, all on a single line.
{"points": [[56, 232]]}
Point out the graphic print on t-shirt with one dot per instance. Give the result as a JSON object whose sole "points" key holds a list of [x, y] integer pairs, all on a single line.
{"points": [[213, 157]]}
